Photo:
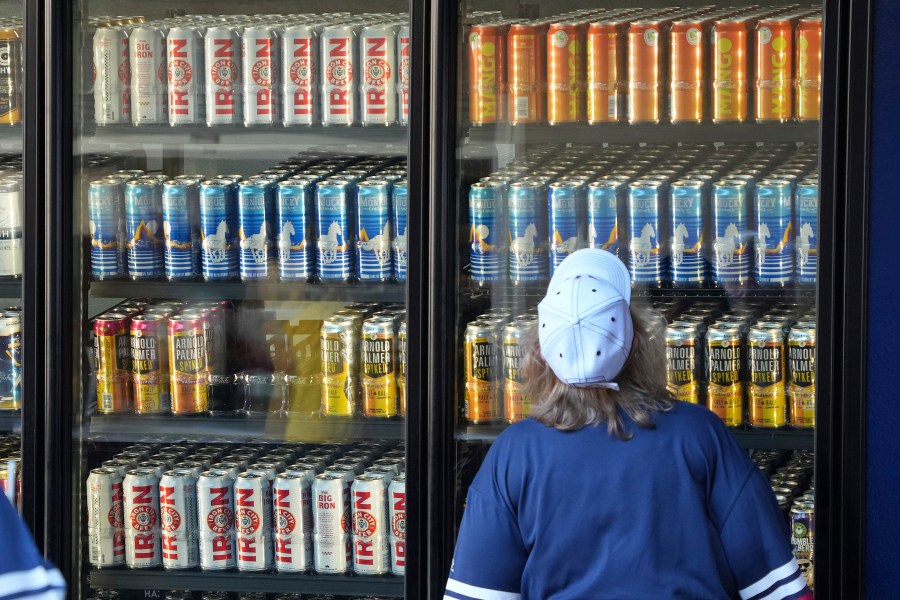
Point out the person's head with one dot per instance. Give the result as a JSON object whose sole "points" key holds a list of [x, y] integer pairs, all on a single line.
{"points": [[595, 353]]}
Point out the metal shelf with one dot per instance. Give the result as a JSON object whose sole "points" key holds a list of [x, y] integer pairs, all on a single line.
{"points": [[781, 439], [11, 138], [130, 427], [158, 579], [11, 421], [11, 289], [645, 133], [199, 290], [373, 138]]}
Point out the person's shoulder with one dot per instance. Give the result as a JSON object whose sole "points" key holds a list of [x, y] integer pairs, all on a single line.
{"points": [[692, 419], [522, 431]]}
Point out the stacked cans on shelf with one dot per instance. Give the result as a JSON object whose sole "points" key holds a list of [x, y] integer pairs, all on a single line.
{"points": [[318, 215], [794, 485], [10, 459], [189, 595], [691, 215], [748, 364], [332, 508], [216, 358], [12, 206], [364, 362], [678, 65], [495, 345], [332, 69]]}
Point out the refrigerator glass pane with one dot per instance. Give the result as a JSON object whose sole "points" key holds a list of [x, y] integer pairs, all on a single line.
{"points": [[240, 184], [684, 141]]}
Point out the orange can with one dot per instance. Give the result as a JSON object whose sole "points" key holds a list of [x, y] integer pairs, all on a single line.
{"points": [[606, 65], [774, 42], [487, 74], [646, 71], [687, 70], [730, 70], [527, 88], [565, 73], [808, 59]]}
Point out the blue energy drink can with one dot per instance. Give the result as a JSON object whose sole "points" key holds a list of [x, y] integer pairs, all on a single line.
{"points": [[564, 208], [774, 232], [10, 361], [255, 214], [398, 207], [334, 230], [143, 228], [218, 231], [105, 207], [181, 226], [293, 206], [646, 226], [730, 242], [374, 232], [807, 239], [526, 215], [487, 236], [603, 202], [687, 239]]}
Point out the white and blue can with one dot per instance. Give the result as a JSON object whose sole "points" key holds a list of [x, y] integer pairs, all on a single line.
{"points": [[334, 230], [564, 210], [144, 231], [374, 233], [773, 209], [105, 208], [486, 232], [526, 216], [181, 227], [398, 207], [604, 197], [293, 211], [807, 240], [687, 233], [255, 214], [218, 230], [646, 227], [730, 240]]}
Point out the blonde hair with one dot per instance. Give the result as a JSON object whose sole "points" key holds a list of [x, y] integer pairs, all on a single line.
{"points": [[642, 384]]}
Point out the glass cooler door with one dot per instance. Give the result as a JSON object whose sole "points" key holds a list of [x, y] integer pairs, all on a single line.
{"points": [[240, 197], [685, 141]]}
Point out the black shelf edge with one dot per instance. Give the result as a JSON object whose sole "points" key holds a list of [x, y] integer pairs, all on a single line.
{"points": [[309, 292], [582, 133], [11, 289], [750, 439], [370, 137], [11, 421], [236, 581], [130, 427]]}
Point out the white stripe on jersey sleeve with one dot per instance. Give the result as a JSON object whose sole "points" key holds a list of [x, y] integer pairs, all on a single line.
{"points": [[786, 589], [769, 580], [19, 582], [479, 593]]}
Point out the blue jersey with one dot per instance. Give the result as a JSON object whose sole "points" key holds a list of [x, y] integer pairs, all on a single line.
{"points": [[24, 574], [679, 511]]}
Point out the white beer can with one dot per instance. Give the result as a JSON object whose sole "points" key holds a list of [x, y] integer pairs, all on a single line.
{"points": [[178, 514], [142, 527], [106, 533], [292, 522], [222, 54], [299, 66], [253, 518], [378, 83], [149, 93], [338, 51], [11, 209], [331, 513], [260, 69], [397, 503], [370, 517], [403, 50], [215, 502], [184, 52], [112, 78]]}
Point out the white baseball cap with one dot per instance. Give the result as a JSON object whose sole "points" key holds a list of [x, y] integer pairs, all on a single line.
{"points": [[584, 321]]}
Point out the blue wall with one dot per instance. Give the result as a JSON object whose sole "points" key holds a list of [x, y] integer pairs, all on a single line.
{"points": [[883, 427]]}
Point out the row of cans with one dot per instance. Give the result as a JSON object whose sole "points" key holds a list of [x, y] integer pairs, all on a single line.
{"points": [[748, 366], [690, 216], [364, 363], [678, 65], [331, 69], [104, 594], [793, 483], [495, 345], [335, 218], [330, 509], [223, 359]]}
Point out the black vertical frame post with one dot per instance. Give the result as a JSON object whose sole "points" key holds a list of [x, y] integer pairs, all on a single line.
{"points": [[842, 299]]}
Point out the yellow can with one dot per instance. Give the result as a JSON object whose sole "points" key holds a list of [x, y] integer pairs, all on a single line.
{"points": [[765, 354], [682, 367], [482, 373], [725, 390], [339, 341], [379, 366], [801, 360]]}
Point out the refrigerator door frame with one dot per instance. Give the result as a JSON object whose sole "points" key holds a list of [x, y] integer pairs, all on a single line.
{"points": [[841, 294]]}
